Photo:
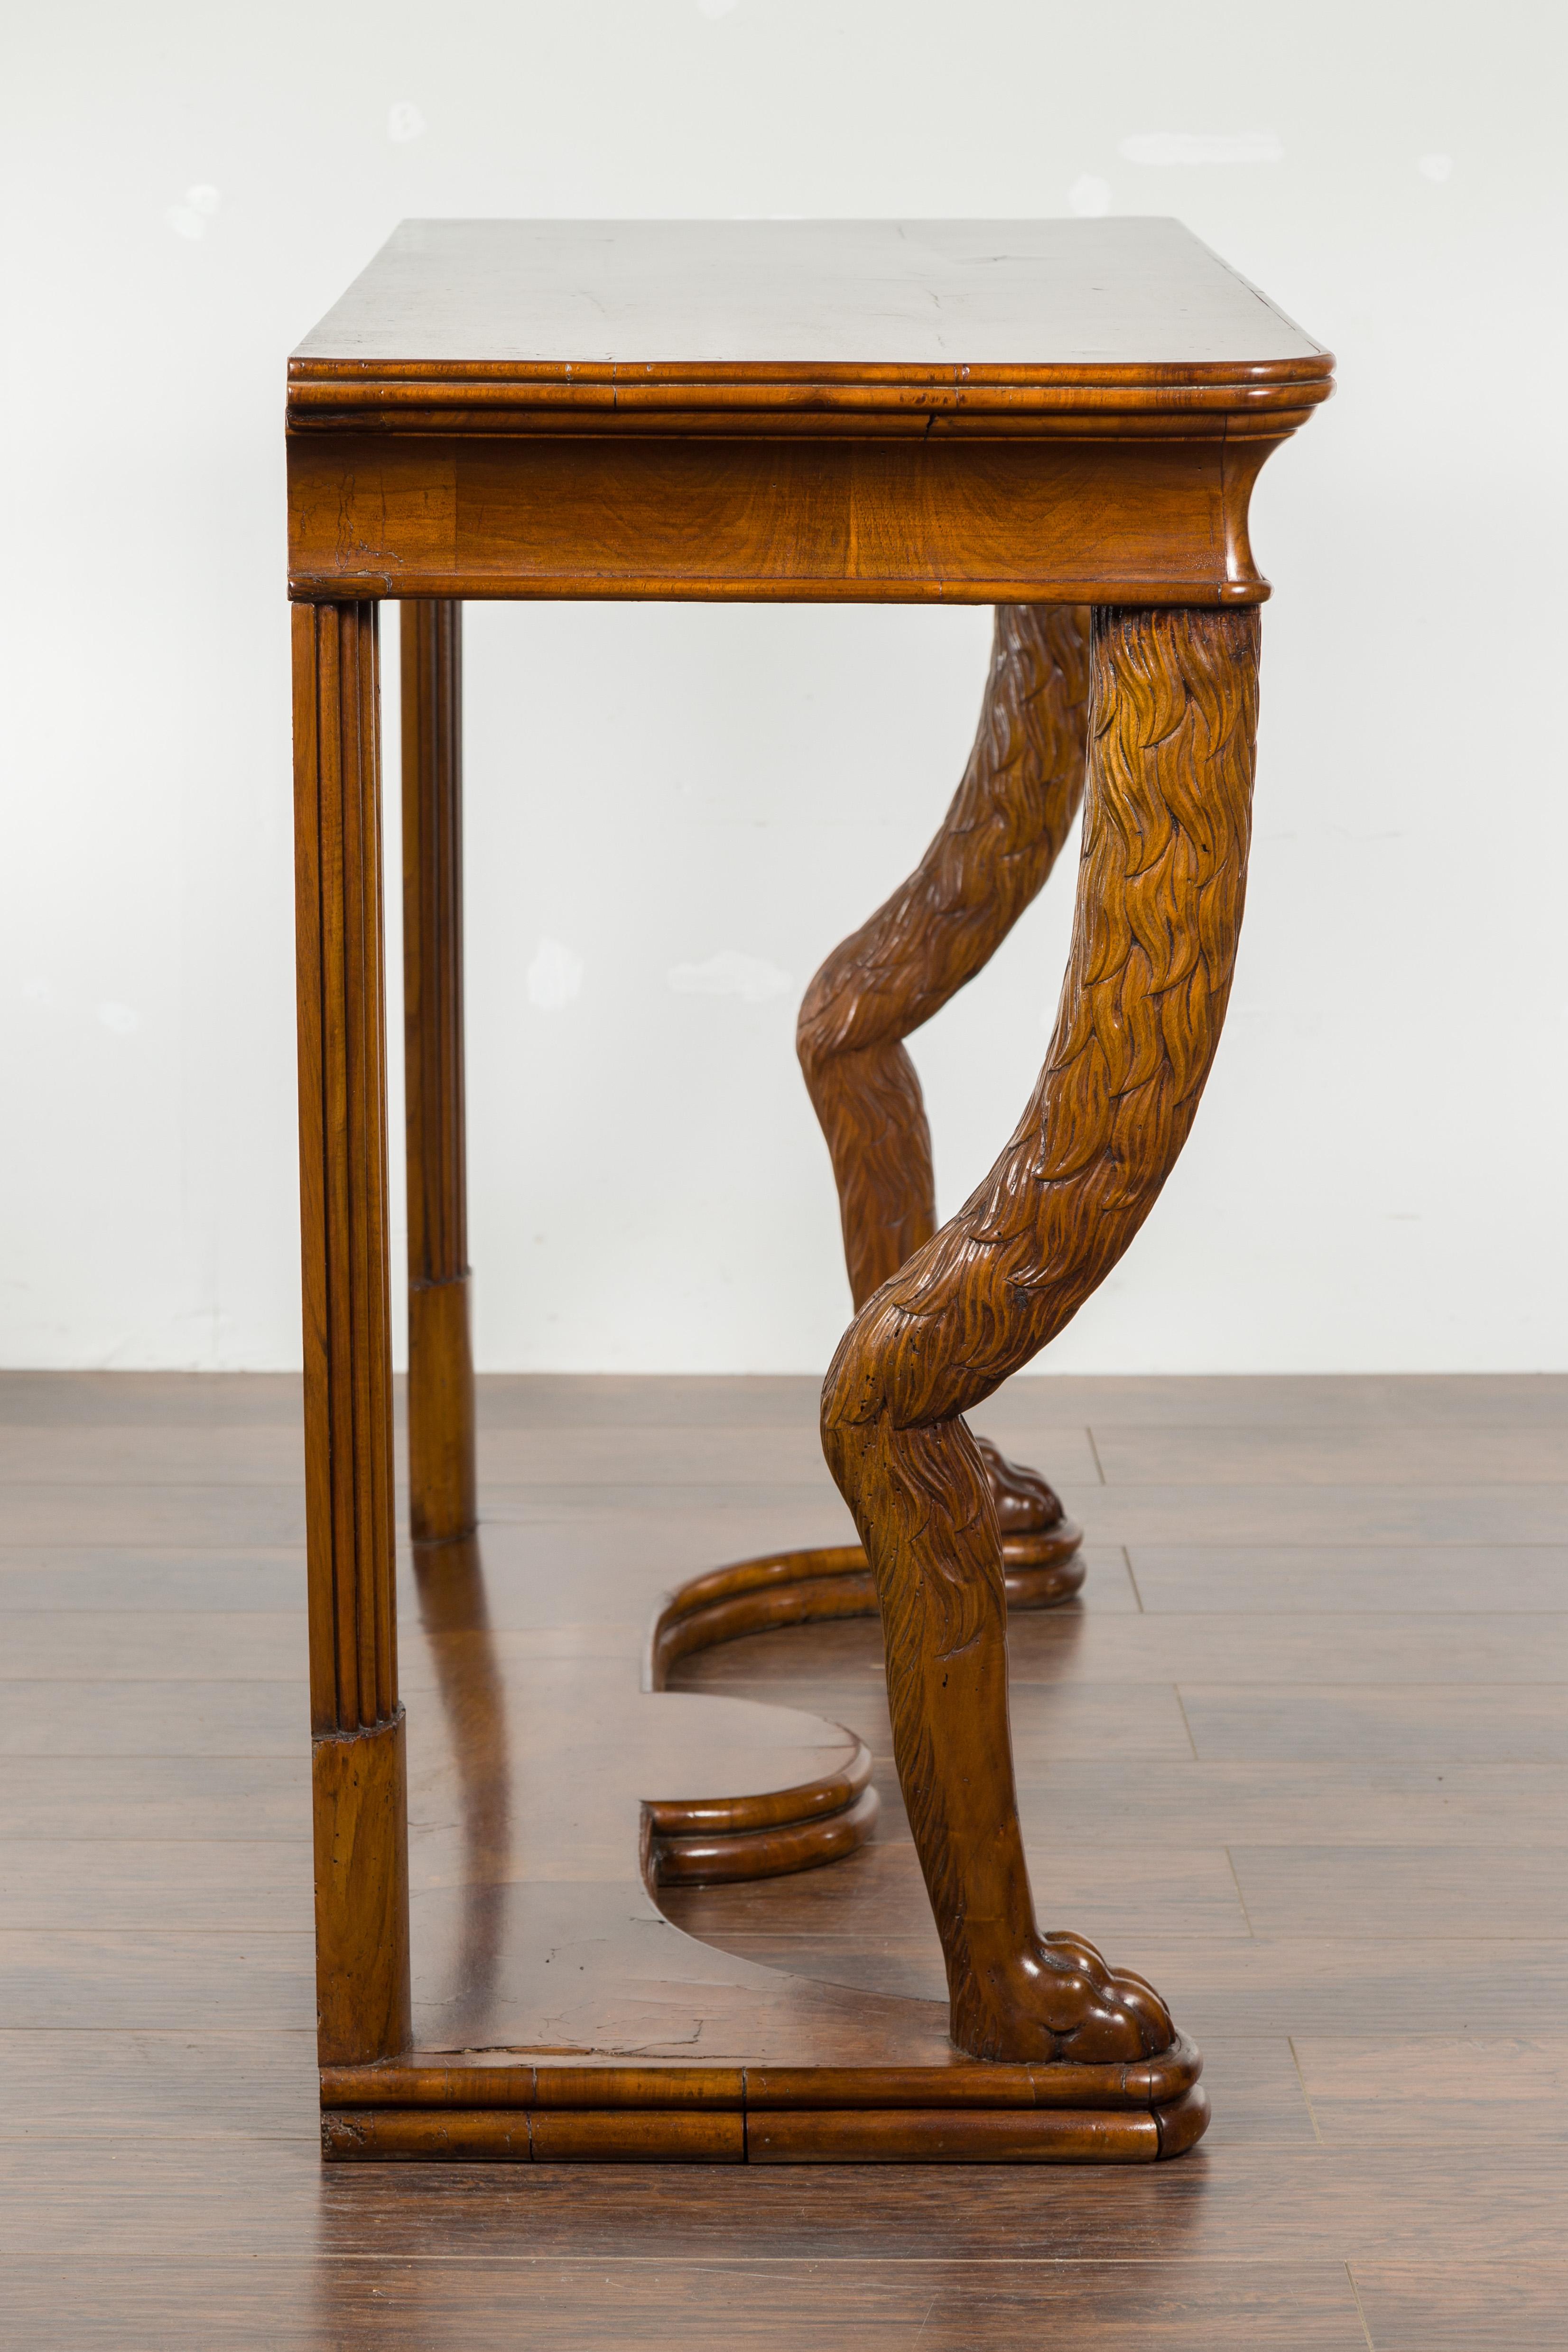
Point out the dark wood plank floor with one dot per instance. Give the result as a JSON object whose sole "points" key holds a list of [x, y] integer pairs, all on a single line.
{"points": [[1298, 1757]]}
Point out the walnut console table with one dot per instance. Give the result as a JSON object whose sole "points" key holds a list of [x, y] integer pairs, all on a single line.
{"points": [[1063, 420]]}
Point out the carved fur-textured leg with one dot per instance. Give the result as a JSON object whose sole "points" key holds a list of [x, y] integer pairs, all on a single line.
{"points": [[997, 842], [1173, 720]]}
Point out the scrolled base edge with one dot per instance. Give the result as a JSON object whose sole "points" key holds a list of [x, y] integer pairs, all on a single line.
{"points": [[964, 2123], [813, 1587]]}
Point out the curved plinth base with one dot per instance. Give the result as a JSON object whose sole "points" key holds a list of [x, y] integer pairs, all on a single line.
{"points": [[696, 1841], [1042, 1572], [808, 1588], [428, 2112], [557, 2011]]}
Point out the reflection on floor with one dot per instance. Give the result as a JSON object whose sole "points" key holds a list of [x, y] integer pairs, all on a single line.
{"points": [[1297, 1756]]}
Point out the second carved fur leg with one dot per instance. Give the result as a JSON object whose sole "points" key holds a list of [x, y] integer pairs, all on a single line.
{"points": [[1159, 912], [997, 842]]}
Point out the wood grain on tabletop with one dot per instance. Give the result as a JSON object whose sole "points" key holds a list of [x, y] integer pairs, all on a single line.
{"points": [[923, 411], [920, 298]]}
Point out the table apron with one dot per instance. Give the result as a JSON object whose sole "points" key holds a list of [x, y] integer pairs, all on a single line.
{"points": [[1149, 520]]}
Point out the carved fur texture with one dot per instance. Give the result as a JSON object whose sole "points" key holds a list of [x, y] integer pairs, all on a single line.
{"points": [[1161, 884], [997, 842], [1160, 893]]}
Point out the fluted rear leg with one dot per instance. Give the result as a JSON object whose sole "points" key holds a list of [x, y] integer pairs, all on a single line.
{"points": [[997, 842], [1161, 883], [442, 1499]]}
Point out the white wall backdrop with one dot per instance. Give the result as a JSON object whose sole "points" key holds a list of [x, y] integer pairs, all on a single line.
{"points": [[674, 812]]}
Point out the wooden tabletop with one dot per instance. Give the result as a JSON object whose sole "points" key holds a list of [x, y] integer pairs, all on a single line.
{"points": [[1067, 411], [1041, 303]]}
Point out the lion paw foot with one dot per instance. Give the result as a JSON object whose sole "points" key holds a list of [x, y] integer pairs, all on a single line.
{"points": [[1026, 1504], [1059, 2000]]}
